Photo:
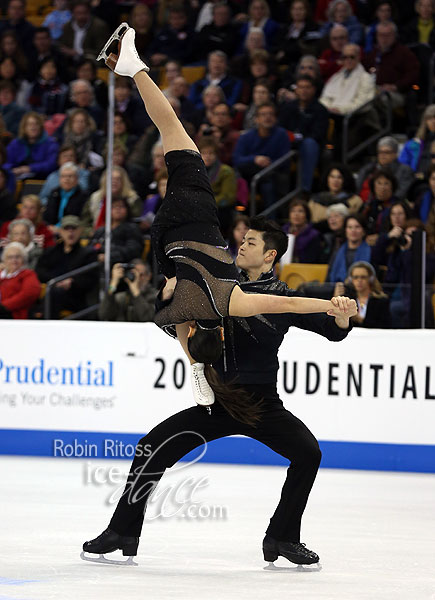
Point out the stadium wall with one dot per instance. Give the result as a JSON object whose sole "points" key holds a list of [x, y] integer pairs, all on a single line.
{"points": [[91, 390]]}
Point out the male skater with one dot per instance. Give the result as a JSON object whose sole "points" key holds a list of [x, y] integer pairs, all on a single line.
{"points": [[251, 360]]}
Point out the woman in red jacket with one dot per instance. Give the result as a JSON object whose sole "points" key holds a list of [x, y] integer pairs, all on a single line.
{"points": [[19, 287]]}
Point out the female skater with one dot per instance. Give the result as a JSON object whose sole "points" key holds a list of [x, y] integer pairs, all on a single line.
{"points": [[189, 244], [202, 280]]}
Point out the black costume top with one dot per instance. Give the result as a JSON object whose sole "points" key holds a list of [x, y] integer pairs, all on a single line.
{"points": [[189, 245], [252, 344]]}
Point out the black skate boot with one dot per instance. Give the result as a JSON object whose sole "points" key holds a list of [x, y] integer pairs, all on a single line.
{"points": [[295, 552], [109, 541]]}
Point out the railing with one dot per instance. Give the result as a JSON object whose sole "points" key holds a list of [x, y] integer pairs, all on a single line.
{"points": [[384, 99], [255, 180], [73, 273]]}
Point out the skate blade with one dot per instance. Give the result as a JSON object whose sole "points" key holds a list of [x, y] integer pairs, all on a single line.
{"points": [[106, 561], [296, 569], [116, 35]]}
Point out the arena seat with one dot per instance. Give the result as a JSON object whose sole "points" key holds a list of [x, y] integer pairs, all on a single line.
{"points": [[296, 273]]}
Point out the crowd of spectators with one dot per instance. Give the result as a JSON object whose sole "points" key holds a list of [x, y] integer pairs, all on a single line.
{"points": [[270, 77]]}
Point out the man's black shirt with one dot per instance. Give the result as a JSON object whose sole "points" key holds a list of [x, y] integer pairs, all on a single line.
{"points": [[252, 344]]}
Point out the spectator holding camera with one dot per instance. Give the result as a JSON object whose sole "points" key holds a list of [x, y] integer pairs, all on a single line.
{"points": [[388, 242], [130, 296]]}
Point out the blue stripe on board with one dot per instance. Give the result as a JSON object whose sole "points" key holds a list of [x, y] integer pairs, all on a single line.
{"points": [[235, 450]]}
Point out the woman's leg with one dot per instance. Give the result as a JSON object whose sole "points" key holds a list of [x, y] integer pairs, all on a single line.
{"points": [[174, 136]]}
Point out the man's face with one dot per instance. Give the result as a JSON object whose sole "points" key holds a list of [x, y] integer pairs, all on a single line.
{"points": [[251, 252], [143, 276], [81, 15], [6, 97], [217, 65], [305, 91], [68, 179], [221, 116], [70, 235], [42, 42], [16, 10], [338, 38], [385, 37], [266, 117], [82, 95], [122, 93], [425, 9], [179, 87], [350, 57], [67, 156], [177, 20], [221, 15], [386, 155]]}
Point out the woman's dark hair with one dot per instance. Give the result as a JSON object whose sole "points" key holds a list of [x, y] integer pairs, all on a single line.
{"points": [[348, 180], [237, 219], [383, 173], [304, 204], [86, 61], [405, 207], [206, 347], [273, 236], [430, 171], [360, 219], [124, 201]]}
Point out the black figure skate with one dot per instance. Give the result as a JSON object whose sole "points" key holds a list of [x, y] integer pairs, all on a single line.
{"points": [[295, 552], [109, 541]]}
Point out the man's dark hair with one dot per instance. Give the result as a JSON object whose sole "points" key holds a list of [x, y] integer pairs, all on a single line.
{"points": [[8, 85], [265, 105], [274, 238], [81, 3], [306, 78], [41, 30], [383, 173]]}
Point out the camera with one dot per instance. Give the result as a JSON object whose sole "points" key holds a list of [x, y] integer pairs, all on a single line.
{"points": [[402, 241], [128, 270], [208, 130]]}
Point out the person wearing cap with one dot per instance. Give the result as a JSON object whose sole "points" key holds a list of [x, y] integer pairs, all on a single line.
{"points": [[68, 294], [387, 158]]}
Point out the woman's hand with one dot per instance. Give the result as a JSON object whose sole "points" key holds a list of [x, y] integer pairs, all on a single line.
{"points": [[343, 309], [169, 289]]}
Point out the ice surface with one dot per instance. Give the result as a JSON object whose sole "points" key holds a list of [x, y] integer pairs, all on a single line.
{"points": [[374, 532]]}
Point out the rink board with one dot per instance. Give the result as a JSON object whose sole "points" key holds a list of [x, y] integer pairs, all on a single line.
{"points": [[91, 390]]}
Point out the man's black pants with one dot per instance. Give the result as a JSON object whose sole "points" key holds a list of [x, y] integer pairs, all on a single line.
{"points": [[175, 437]]}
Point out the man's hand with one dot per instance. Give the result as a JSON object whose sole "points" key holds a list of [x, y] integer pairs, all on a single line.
{"points": [[262, 161], [117, 275], [65, 284], [169, 289], [133, 285], [343, 309], [21, 170]]}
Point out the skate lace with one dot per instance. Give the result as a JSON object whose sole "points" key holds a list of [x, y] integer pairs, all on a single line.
{"points": [[200, 380], [303, 548]]}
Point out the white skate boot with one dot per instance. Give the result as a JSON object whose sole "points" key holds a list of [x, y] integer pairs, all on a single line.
{"points": [[202, 392], [127, 61]]}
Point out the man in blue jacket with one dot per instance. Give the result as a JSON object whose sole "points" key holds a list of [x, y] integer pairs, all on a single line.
{"points": [[261, 146]]}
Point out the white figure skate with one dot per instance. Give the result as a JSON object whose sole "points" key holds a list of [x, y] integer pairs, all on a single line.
{"points": [[127, 62], [202, 392]]}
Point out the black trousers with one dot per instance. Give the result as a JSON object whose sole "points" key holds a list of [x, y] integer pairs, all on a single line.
{"points": [[172, 439]]}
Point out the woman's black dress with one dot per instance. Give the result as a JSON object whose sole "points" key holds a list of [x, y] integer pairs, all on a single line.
{"points": [[189, 245]]}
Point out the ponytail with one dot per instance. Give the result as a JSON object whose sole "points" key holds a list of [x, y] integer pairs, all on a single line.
{"points": [[236, 401]]}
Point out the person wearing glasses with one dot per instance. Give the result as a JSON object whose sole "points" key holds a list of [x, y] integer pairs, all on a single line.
{"points": [[330, 61], [373, 304], [350, 87], [387, 158]]}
